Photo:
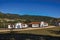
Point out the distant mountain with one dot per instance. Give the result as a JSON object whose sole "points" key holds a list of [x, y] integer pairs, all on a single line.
{"points": [[9, 16], [30, 17]]}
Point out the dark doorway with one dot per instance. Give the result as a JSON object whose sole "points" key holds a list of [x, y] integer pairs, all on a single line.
{"points": [[30, 25]]}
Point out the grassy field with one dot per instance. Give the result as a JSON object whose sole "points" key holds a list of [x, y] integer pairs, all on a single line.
{"points": [[55, 31], [48, 31]]}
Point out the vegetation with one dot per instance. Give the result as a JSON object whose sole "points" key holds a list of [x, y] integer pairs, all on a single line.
{"points": [[4, 17], [55, 31], [44, 31]]}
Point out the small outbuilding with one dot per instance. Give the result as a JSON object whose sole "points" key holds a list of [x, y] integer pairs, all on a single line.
{"points": [[46, 24], [59, 23], [43, 24], [10, 26], [35, 24], [18, 25], [24, 25], [21, 25]]}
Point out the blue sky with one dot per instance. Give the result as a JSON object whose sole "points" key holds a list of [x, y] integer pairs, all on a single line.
{"points": [[31, 7]]}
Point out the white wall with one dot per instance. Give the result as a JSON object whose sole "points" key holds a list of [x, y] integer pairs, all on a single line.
{"points": [[24, 25], [9, 26], [43, 24], [46, 24], [59, 24], [35, 25], [18, 25]]}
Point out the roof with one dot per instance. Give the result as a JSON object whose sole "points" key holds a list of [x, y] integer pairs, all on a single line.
{"points": [[35, 23]]}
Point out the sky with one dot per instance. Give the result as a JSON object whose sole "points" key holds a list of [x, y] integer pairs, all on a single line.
{"points": [[31, 7]]}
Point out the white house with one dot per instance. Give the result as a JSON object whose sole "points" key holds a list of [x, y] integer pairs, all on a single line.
{"points": [[10, 26], [59, 24], [18, 25], [24, 25], [43, 24], [39, 24], [35, 24], [32, 24], [21, 25]]}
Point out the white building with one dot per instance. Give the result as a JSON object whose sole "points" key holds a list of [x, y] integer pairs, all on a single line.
{"points": [[42, 24], [10, 26], [32, 24], [59, 24], [24, 25], [45, 24], [18, 25], [35, 24], [21, 25]]}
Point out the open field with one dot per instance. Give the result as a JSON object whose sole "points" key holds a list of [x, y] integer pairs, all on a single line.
{"points": [[55, 31], [51, 31]]}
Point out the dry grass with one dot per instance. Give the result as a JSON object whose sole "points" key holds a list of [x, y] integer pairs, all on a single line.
{"points": [[38, 31], [42, 31]]}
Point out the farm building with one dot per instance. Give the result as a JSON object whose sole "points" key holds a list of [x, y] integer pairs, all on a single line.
{"points": [[24, 25], [18, 25], [10, 26], [38, 24], [34, 24], [45, 24], [21, 25], [59, 24]]}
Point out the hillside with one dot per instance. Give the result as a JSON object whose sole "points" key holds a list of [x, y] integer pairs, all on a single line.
{"points": [[9, 16], [24, 17]]}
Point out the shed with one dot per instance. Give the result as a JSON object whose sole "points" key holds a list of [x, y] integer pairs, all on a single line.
{"points": [[18, 25], [24, 25], [35, 24]]}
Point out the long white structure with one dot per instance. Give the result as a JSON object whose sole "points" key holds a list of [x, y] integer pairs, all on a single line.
{"points": [[33, 24]]}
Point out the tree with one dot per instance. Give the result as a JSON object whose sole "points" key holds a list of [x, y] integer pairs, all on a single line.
{"points": [[27, 21]]}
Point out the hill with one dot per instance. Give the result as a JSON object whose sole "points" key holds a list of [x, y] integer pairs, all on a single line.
{"points": [[4, 17], [24, 17]]}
